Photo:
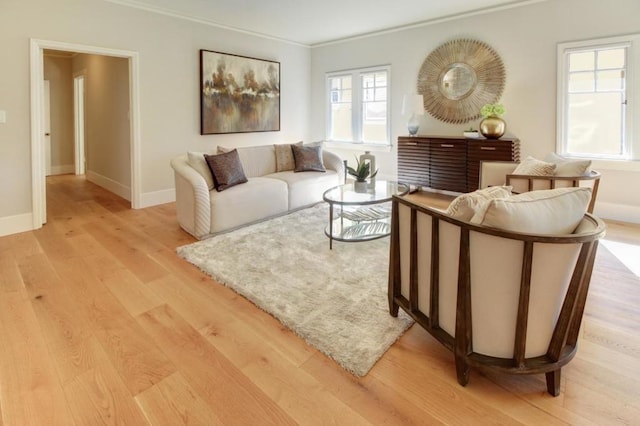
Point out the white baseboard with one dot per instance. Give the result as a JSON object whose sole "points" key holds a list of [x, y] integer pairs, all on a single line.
{"points": [[110, 185], [64, 169], [619, 212], [155, 198], [16, 224]]}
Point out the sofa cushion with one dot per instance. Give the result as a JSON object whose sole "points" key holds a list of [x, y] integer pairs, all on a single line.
{"points": [[533, 167], [568, 167], [284, 157], [551, 212], [307, 188], [255, 200], [308, 158], [226, 170], [199, 164], [465, 206]]}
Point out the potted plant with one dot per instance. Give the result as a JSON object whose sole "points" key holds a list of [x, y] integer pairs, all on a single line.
{"points": [[361, 173], [492, 127]]}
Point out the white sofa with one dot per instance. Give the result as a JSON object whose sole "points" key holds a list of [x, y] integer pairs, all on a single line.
{"points": [[499, 299], [203, 212]]}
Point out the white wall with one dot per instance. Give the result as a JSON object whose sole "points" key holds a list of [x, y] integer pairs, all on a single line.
{"points": [[526, 39], [169, 94]]}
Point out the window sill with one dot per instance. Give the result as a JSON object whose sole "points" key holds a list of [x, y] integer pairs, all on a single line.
{"points": [[353, 146], [621, 165]]}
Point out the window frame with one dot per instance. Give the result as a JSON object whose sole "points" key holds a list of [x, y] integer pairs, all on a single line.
{"points": [[357, 106], [631, 134]]}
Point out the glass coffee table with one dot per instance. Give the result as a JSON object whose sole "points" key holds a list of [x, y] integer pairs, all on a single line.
{"points": [[361, 212]]}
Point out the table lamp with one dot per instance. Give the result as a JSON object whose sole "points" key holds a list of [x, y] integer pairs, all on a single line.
{"points": [[414, 105]]}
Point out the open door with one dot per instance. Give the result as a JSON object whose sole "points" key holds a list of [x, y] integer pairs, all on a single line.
{"points": [[47, 128]]}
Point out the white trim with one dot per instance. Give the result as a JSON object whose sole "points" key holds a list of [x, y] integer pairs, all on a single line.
{"points": [[430, 22], [78, 122], [109, 184], [617, 212], [158, 197], [38, 194], [15, 224], [175, 14]]}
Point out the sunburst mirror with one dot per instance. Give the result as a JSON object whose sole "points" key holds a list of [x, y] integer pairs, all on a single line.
{"points": [[458, 78]]}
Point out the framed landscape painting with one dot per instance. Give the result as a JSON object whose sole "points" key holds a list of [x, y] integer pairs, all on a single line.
{"points": [[238, 94]]}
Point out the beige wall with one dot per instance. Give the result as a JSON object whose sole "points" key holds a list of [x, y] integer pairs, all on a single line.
{"points": [[57, 69], [168, 50], [526, 38]]}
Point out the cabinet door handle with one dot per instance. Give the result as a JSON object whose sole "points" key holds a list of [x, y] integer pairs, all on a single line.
{"points": [[410, 143], [488, 148], [446, 145]]}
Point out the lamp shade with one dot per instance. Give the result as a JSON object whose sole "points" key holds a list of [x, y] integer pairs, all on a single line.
{"points": [[413, 104]]}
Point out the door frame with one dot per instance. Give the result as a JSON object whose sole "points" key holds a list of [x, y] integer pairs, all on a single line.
{"points": [[38, 181], [78, 122]]}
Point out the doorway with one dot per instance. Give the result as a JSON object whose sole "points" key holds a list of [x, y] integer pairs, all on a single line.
{"points": [[38, 120]]}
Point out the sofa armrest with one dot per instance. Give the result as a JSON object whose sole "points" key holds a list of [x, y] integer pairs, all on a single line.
{"points": [[494, 173], [334, 162], [193, 205]]}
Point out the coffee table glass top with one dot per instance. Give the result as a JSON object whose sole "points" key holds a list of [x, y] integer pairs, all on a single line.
{"points": [[371, 193]]}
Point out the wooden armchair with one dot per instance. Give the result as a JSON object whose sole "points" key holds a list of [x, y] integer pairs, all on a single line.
{"points": [[499, 300], [494, 173]]}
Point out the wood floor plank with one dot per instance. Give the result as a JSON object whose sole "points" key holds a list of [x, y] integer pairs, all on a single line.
{"points": [[134, 355], [123, 247], [100, 397], [30, 392], [293, 389], [173, 402], [134, 295], [232, 395], [10, 278]]}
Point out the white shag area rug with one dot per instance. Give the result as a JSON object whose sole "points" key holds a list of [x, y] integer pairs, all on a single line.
{"points": [[335, 299]]}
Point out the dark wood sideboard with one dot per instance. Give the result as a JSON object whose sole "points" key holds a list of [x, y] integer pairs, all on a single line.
{"points": [[450, 163]]}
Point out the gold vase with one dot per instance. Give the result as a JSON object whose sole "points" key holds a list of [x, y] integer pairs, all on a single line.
{"points": [[493, 127]]}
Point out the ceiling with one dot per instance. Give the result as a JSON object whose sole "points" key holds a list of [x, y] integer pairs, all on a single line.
{"points": [[316, 22]]}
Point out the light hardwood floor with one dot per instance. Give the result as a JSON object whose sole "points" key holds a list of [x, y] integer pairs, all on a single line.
{"points": [[101, 323]]}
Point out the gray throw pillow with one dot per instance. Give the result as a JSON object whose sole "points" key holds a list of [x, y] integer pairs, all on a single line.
{"points": [[308, 158], [284, 157], [226, 170]]}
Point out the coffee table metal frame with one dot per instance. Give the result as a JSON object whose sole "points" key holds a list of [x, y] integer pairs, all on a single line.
{"points": [[364, 212]]}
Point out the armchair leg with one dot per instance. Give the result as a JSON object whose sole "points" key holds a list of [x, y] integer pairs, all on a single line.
{"points": [[462, 371], [393, 307], [553, 382]]}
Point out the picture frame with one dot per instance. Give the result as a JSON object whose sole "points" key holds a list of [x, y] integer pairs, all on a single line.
{"points": [[238, 94]]}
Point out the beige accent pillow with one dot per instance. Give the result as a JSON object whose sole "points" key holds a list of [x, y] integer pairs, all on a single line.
{"points": [[532, 167], [196, 161], [568, 167], [547, 212], [465, 206], [284, 157], [226, 170], [308, 158]]}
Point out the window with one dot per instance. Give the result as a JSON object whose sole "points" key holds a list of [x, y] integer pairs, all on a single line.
{"points": [[358, 110], [595, 98]]}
